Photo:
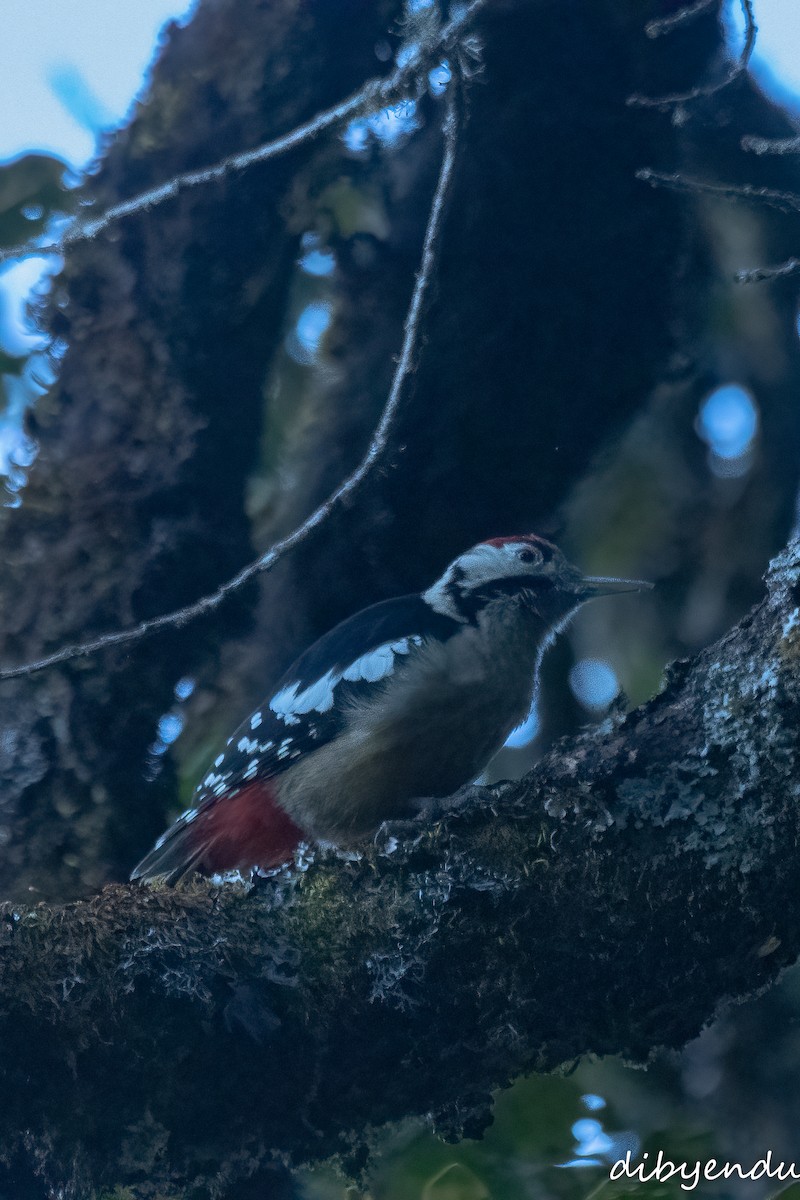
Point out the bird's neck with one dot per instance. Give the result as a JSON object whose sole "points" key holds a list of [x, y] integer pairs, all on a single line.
{"points": [[514, 631]]}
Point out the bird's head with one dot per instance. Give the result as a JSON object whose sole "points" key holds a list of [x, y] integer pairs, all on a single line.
{"points": [[526, 566]]}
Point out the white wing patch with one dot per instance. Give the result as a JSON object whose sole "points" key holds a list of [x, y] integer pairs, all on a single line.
{"points": [[290, 703], [317, 697], [216, 783], [379, 662]]}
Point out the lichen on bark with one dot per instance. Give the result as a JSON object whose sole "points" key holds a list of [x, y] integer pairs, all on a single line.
{"points": [[636, 879]]}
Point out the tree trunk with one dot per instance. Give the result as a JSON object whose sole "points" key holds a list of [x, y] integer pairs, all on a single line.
{"points": [[641, 875]]}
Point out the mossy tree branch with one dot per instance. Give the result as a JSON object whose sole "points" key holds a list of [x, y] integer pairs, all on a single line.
{"points": [[609, 902]]}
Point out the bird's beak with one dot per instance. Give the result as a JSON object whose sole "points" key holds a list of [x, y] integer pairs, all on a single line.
{"points": [[596, 585]]}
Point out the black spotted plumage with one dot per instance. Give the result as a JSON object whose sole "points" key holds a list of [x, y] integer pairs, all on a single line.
{"points": [[266, 744], [275, 743], [407, 699]]}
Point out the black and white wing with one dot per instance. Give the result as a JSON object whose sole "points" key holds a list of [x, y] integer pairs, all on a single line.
{"points": [[310, 703], [307, 710]]}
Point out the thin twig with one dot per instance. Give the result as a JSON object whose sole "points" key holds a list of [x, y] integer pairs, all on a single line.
{"points": [[375, 93], [767, 274], [787, 202], [708, 89], [762, 145], [405, 366], [678, 19]]}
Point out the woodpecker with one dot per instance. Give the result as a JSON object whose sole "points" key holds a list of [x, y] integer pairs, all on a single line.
{"points": [[404, 702]]}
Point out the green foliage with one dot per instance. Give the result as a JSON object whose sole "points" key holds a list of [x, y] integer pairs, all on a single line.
{"points": [[31, 189], [792, 1192], [522, 1154], [11, 364], [125, 1193], [455, 1182]]}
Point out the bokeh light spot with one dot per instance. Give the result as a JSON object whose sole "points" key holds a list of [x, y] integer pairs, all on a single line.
{"points": [[184, 688], [728, 421], [170, 727], [304, 341], [318, 262], [438, 78], [594, 683]]}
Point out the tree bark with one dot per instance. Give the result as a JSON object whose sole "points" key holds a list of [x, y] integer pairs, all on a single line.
{"points": [[137, 503], [167, 323], [637, 878]]}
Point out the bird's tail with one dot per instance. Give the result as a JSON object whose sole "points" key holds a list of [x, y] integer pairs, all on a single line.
{"points": [[240, 829]]}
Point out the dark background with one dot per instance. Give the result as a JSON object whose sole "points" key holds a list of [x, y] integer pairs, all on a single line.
{"points": [[581, 319]]}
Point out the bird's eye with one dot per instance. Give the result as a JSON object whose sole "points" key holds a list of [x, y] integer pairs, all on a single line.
{"points": [[527, 556]]}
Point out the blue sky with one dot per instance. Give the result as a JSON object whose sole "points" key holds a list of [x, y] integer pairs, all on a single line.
{"points": [[776, 61], [69, 64], [71, 68]]}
